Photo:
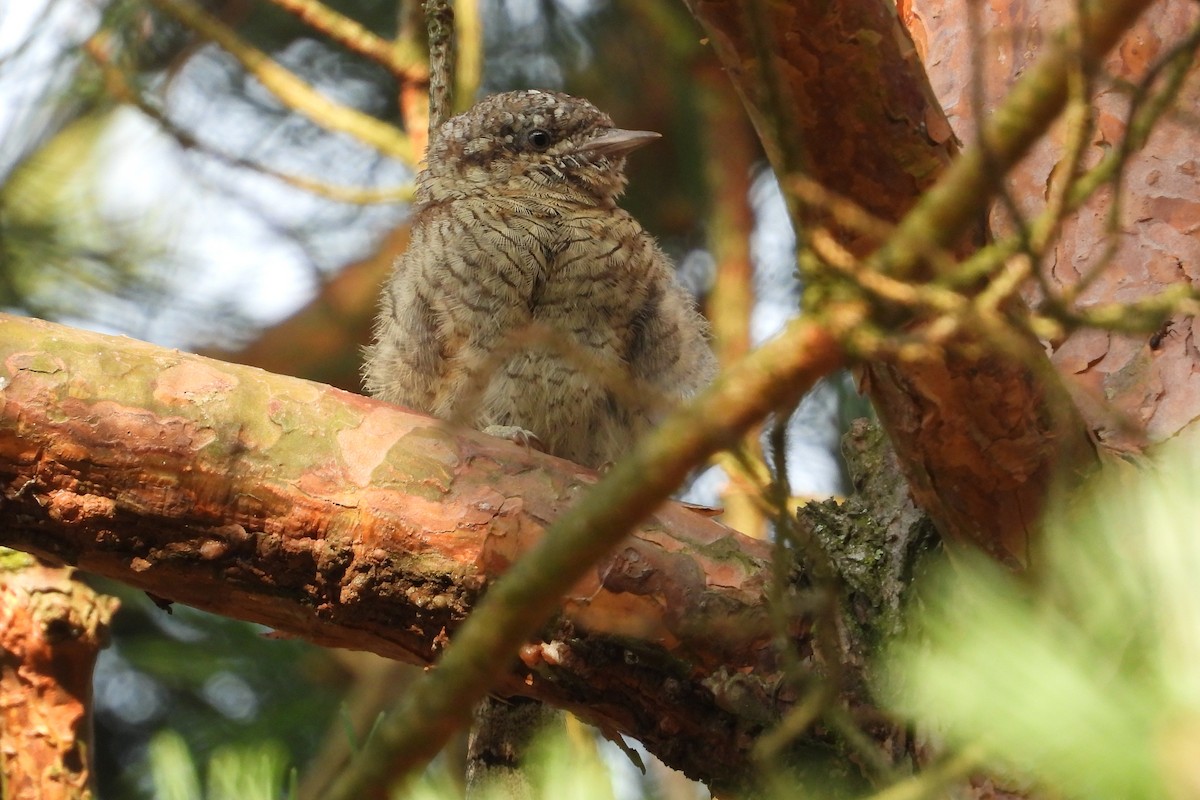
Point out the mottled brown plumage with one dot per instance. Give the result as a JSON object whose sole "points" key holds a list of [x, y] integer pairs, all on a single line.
{"points": [[526, 297]]}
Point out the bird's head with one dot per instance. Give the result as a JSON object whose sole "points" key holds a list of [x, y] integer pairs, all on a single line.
{"points": [[525, 142]]}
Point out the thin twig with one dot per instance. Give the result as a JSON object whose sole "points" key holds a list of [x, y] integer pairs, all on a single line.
{"points": [[290, 90], [439, 17], [773, 376], [400, 61]]}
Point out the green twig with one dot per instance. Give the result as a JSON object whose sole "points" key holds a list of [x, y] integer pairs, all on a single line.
{"points": [[439, 17], [440, 702], [289, 89]]}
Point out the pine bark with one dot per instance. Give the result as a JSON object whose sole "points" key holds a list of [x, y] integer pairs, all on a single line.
{"points": [[838, 94], [52, 628], [351, 523]]}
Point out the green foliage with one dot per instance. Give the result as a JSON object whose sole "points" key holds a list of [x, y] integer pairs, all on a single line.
{"points": [[243, 772], [218, 683], [59, 249], [1083, 679], [172, 768], [562, 765], [569, 767]]}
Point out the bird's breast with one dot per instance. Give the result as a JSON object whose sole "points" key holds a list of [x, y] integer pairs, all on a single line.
{"points": [[515, 269]]}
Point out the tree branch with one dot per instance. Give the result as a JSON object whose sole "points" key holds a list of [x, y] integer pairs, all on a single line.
{"points": [[291, 90], [402, 62], [773, 376], [354, 524]]}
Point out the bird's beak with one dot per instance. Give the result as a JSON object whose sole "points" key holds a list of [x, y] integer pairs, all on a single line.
{"points": [[618, 142]]}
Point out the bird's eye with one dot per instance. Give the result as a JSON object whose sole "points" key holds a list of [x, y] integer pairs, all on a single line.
{"points": [[538, 139]]}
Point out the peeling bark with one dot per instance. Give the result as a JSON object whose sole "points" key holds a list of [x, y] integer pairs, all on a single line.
{"points": [[351, 523], [1133, 388], [980, 438], [52, 627]]}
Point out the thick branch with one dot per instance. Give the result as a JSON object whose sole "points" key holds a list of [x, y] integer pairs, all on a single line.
{"points": [[354, 524], [845, 100]]}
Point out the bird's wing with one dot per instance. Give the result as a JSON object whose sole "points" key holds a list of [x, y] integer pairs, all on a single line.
{"points": [[406, 363]]}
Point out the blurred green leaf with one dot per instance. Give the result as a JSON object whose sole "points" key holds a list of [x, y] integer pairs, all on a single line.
{"points": [[1082, 678], [249, 772], [172, 769], [563, 764], [254, 771]]}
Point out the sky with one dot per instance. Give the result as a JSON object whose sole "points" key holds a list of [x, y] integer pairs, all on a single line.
{"points": [[241, 229]]}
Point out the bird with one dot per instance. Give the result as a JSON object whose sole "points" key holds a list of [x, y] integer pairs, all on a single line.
{"points": [[528, 304]]}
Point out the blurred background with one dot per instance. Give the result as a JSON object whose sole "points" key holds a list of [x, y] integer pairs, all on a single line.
{"points": [[151, 186]]}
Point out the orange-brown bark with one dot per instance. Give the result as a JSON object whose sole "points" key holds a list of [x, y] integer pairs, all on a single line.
{"points": [[354, 524], [979, 438], [1149, 381], [855, 109], [52, 627]]}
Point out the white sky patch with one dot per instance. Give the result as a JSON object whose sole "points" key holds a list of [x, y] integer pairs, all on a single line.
{"points": [[231, 255], [34, 34]]}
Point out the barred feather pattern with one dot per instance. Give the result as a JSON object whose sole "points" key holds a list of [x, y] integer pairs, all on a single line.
{"points": [[527, 297]]}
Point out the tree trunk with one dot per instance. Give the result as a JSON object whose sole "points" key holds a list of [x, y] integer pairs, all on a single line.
{"points": [[1133, 389], [839, 96]]}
